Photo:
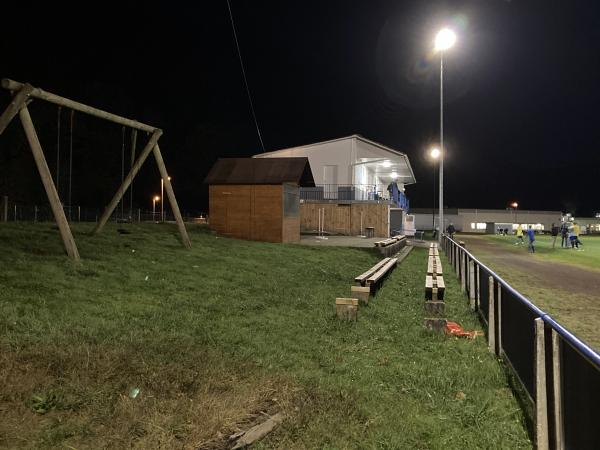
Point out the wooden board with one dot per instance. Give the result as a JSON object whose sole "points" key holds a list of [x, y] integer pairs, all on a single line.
{"points": [[344, 218], [434, 265], [434, 287], [388, 266], [363, 277]]}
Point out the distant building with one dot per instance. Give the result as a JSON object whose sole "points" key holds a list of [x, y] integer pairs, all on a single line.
{"points": [[487, 220]]}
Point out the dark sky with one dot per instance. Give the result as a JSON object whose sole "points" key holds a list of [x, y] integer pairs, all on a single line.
{"points": [[522, 88]]}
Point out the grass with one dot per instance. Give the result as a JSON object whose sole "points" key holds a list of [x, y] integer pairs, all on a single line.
{"points": [[577, 310], [588, 258], [216, 336]]}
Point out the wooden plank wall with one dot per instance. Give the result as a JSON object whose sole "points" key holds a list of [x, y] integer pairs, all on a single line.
{"points": [[345, 218], [252, 212]]}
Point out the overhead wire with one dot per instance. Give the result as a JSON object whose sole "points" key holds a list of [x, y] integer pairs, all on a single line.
{"points": [[237, 45]]}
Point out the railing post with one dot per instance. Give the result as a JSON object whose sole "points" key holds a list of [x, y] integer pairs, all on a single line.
{"points": [[499, 309], [541, 405], [557, 382], [463, 272], [478, 298], [472, 284], [491, 317]]}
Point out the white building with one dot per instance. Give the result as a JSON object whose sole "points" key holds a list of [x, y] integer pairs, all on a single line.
{"points": [[353, 168]]}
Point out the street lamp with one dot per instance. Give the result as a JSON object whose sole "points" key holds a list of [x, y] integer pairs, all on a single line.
{"points": [[155, 199], [514, 206], [162, 203], [444, 40], [434, 154]]}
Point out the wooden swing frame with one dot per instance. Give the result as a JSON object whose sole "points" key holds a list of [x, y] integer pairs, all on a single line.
{"points": [[22, 95]]}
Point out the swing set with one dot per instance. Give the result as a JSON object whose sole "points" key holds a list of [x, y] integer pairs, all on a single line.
{"points": [[23, 95]]}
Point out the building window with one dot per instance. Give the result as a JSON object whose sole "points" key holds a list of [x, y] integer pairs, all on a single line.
{"points": [[478, 226]]}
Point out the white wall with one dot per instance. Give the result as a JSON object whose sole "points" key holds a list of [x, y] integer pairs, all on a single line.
{"points": [[338, 153]]}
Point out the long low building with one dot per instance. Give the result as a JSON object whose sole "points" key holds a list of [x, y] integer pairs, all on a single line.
{"points": [[486, 220]]}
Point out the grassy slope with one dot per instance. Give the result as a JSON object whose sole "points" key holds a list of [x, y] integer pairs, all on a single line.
{"points": [[217, 334]]}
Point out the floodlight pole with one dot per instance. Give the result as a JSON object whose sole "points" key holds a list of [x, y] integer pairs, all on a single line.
{"points": [[442, 150]]}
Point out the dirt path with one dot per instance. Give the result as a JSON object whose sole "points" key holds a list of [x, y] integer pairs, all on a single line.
{"points": [[569, 293], [553, 275]]}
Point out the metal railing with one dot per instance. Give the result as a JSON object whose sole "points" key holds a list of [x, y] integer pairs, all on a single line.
{"points": [[559, 374], [353, 192]]}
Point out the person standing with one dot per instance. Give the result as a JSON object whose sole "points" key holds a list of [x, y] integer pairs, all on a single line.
{"points": [[554, 233], [519, 235], [572, 237], [451, 230], [531, 236], [564, 232], [577, 231]]}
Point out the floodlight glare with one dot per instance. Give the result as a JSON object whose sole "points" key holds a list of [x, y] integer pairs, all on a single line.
{"points": [[386, 164], [445, 39], [394, 175], [435, 153]]}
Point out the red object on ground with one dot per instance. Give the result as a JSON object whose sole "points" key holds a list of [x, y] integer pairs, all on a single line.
{"points": [[456, 330]]}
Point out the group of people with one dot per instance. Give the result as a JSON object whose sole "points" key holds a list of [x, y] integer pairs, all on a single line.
{"points": [[530, 237], [569, 233]]}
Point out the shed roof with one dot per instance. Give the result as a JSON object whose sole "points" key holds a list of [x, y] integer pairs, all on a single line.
{"points": [[261, 171]]}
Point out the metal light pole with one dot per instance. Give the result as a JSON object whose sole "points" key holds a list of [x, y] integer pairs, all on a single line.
{"points": [[444, 40], [154, 200], [435, 154], [162, 199]]}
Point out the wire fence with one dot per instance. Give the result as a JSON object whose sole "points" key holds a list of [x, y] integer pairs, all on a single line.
{"points": [[43, 213], [559, 374]]}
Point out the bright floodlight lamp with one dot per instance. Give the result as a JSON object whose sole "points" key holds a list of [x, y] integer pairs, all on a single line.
{"points": [[435, 153], [444, 40], [156, 198], [386, 164], [514, 204], [394, 175]]}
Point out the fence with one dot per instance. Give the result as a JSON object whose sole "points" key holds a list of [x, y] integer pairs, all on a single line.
{"points": [[28, 213], [559, 374]]}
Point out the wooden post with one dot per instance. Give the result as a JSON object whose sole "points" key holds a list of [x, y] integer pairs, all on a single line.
{"points": [[463, 272], [478, 298], [458, 259], [557, 379], [541, 401], [15, 106], [472, 284], [499, 308], [53, 198], [491, 317], [171, 195], [127, 181], [75, 106], [5, 209]]}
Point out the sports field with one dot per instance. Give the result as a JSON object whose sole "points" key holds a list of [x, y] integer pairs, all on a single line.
{"points": [[562, 281], [147, 345]]}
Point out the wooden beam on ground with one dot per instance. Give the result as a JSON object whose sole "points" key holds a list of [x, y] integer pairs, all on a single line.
{"points": [[53, 198], [172, 199], [15, 106], [58, 100], [127, 181]]}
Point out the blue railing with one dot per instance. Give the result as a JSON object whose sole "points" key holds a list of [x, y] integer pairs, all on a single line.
{"points": [[355, 192], [560, 373]]}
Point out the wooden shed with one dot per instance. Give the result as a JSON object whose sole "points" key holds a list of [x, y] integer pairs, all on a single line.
{"points": [[257, 199]]}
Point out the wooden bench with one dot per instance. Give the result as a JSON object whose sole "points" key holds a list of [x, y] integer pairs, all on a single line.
{"points": [[346, 308], [434, 266], [434, 287], [362, 279], [433, 245], [377, 276], [434, 251], [391, 246]]}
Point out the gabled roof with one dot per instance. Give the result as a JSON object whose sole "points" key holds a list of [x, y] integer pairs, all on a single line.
{"points": [[356, 137], [261, 171]]}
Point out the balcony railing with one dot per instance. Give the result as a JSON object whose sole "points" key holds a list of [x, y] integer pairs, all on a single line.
{"points": [[354, 192]]}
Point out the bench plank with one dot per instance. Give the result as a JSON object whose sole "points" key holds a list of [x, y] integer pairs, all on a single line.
{"points": [[363, 277], [382, 271]]}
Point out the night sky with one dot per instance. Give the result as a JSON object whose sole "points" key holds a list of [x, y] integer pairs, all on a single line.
{"points": [[522, 88]]}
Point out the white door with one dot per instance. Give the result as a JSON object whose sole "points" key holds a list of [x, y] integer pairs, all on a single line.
{"points": [[330, 181]]}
